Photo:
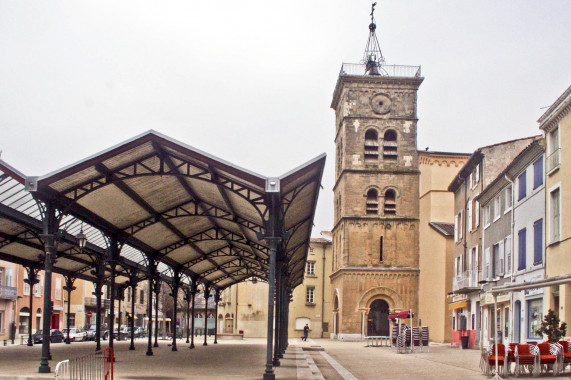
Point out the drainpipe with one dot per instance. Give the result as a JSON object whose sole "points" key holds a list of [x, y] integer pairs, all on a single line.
{"points": [[512, 312], [323, 291]]}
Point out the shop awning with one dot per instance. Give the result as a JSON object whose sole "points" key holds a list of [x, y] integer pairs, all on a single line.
{"points": [[400, 315], [457, 305]]}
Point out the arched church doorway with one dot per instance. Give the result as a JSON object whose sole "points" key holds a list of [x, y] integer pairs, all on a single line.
{"points": [[377, 320]]}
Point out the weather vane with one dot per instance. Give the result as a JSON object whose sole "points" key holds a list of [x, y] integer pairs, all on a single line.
{"points": [[373, 58], [373, 11]]}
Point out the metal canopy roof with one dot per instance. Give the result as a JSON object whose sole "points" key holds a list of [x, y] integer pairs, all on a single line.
{"points": [[167, 201]]}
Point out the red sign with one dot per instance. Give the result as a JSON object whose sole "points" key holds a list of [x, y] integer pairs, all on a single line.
{"points": [[89, 314]]}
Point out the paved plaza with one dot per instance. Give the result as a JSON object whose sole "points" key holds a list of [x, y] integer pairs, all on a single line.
{"points": [[245, 360]]}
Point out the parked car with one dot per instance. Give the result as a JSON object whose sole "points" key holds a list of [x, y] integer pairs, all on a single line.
{"points": [[104, 332], [89, 334], [56, 336], [75, 334]]}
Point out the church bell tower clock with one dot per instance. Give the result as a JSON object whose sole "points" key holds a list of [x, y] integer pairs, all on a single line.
{"points": [[375, 233]]}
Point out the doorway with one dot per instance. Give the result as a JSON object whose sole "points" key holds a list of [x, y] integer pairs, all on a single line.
{"points": [[54, 322], [377, 320], [517, 322], [229, 327]]}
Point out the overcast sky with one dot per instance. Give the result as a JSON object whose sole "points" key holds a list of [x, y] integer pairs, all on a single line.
{"points": [[251, 81]]}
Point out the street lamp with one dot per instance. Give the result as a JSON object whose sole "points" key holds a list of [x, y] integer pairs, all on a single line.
{"points": [[81, 238]]}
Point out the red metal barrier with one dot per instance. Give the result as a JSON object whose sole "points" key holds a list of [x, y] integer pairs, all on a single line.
{"points": [[108, 364]]}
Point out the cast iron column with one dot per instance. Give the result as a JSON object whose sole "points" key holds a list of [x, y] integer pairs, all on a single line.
{"points": [[206, 294], [174, 294], [120, 297], [216, 299], [152, 272], [273, 239], [187, 297], [50, 250], [133, 285], [31, 281], [193, 291], [112, 291], [277, 329], [98, 293], [69, 288], [157, 290]]}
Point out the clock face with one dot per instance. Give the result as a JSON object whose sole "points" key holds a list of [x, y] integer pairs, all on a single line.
{"points": [[381, 104]]}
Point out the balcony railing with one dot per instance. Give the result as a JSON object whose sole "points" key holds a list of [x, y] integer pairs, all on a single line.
{"points": [[466, 282], [8, 292], [384, 70], [92, 301], [553, 160]]}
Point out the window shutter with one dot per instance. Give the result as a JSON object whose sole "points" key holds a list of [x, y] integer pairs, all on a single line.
{"points": [[502, 258], [469, 215], [477, 213], [508, 250], [538, 242], [455, 228], [460, 223], [521, 249], [487, 264]]}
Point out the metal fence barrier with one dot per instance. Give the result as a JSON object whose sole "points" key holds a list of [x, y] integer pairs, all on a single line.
{"points": [[96, 366]]}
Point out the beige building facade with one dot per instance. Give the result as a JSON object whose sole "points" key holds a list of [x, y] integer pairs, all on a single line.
{"points": [[436, 252], [556, 125], [242, 309]]}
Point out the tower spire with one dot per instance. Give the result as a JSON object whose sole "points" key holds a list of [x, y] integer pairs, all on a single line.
{"points": [[373, 57]]}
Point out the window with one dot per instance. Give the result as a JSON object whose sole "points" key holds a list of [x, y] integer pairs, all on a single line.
{"points": [[390, 145], [496, 261], [309, 295], [538, 173], [534, 317], [72, 319], [372, 202], [521, 186], [486, 215], [497, 208], [390, 205], [381, 249], [555, 208], [508, 198], [476, 175], [508, 253], [38, 286], [460, 224], [142, 296], [2, 271], [538, 242], [301, 322], [521, 249], [458, 265], [553, 160], [469, 215], [310, 250], [476, 213], [58, 288], [8, 277], [311, 268], [26, 285], [371, 145]]}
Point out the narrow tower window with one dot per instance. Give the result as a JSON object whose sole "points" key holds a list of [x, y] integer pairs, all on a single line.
{"points": [[371, 145], [390, 202], [390, 145], [381, 249], [372, 202]]}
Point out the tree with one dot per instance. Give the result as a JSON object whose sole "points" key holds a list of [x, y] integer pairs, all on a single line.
{"points": [[550, 327]]}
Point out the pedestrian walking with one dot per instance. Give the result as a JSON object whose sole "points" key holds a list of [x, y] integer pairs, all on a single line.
{"points": [[305, 332]]}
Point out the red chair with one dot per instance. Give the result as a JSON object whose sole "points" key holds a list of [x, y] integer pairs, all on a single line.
{"points": [[511, 354], [566, 353], [491, 358], [548, 357], [526, 356], [532, 343]]}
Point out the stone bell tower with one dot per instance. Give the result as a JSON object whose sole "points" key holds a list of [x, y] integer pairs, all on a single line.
{"points": [[376, 226]]}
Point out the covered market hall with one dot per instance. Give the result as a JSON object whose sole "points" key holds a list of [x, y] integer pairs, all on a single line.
{"points": [[154, 209]]}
